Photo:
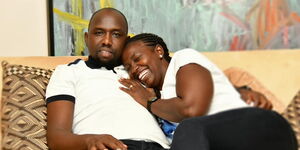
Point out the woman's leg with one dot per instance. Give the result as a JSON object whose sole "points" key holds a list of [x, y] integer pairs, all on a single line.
{"points": [[239, 129]]}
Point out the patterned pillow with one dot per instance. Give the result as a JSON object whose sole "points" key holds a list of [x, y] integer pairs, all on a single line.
{"points": [[24, 107], [292, 114]]}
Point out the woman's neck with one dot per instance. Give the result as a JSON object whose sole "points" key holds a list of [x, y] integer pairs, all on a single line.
{"points": [[164, 69]]}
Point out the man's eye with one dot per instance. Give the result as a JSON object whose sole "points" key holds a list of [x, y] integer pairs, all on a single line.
{"points": [[99, 33], [116, 34]]}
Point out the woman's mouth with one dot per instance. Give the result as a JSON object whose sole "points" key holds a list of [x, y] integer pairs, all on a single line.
{"points": [[143, 74]]}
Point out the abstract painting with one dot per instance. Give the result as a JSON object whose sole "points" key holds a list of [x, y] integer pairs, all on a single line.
{"points": [[204, 25]]}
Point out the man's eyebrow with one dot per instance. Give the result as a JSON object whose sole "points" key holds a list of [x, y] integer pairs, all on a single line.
{"points": [[115, 29]]}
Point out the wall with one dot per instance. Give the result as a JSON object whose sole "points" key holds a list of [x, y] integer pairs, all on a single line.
{"points": [[23, 28]]}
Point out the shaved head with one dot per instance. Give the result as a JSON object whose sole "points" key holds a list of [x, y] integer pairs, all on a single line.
{"points": [[112, 10]]}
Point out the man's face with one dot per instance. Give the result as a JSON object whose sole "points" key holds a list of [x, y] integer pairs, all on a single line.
{"points": [[106, 37]]}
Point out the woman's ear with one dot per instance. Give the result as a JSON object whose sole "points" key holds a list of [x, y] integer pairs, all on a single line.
{"points": [[159, 50]]}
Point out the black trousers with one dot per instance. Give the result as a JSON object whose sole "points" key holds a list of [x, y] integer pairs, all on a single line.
{"points": [[142, 145], [239, 129]]}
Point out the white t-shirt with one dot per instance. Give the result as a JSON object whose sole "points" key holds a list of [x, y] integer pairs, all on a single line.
{"points": [[225, 96], [100, 106]]}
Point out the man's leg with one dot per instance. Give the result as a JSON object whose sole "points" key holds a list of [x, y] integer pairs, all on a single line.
{"points": [[239, 129]]}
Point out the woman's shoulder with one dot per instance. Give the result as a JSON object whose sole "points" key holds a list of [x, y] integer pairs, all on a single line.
{"points": [[188, 53]]}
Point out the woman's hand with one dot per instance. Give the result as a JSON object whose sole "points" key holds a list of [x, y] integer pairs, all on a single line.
{"points": [[137, 91], [255, 99]]}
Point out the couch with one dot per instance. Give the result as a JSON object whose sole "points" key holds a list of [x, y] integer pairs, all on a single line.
{"points": [[276, 73]]}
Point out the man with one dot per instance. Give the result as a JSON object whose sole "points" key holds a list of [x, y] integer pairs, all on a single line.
{"points": [[86, 108]]}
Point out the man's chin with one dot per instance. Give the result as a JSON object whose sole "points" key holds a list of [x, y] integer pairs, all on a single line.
{"points": [[105, 59]]}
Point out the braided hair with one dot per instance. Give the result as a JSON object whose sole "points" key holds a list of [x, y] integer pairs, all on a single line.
{"points": [[151, 40]]}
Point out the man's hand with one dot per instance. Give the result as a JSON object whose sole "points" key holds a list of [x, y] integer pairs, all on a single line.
{"points": [[104, 142], [255, 99]]}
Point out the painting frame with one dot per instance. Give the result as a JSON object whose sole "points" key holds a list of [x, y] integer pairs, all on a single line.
{"points": [[50, 28]]}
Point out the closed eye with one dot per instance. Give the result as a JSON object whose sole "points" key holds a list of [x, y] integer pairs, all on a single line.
{"points": [[138, 58]]}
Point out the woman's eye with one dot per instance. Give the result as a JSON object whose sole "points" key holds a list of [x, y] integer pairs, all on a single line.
{"points": [[136, 59]]}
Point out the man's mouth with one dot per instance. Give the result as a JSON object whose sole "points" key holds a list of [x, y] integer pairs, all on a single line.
{"points": [[105, 53]]}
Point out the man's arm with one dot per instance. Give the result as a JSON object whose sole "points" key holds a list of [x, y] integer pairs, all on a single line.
{"points": [[60, 135]]}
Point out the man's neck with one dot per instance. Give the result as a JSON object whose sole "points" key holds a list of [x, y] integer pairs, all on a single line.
{"points": [[95, 64]]}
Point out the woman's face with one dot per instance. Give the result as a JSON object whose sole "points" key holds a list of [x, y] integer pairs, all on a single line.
{"points": [[144, 63]]}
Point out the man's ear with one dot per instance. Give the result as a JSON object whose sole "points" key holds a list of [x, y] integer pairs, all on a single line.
{"points": [[159, 50], [86, 38]]}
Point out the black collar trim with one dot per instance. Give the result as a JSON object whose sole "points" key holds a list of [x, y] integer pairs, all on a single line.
{"points": [[94, 64]]}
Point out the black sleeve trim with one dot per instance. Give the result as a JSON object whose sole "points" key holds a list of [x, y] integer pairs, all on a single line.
{"points": [[74, 62], [60, 98]]}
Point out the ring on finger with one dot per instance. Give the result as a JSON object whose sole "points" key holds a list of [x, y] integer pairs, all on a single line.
{"points": [[130, 86]]}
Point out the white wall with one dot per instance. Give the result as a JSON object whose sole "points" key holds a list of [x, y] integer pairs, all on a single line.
{"points": [[23, 28]]}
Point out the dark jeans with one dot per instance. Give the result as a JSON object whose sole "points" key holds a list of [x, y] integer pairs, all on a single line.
{"points": [[142, 145], [239, 129]]}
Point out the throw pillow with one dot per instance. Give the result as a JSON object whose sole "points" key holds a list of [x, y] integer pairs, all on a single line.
{"points": [[239, 77], [24, 107], [292, 115]]}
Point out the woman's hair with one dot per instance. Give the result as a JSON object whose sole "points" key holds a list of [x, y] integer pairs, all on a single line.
{"points": [[151, 40]]}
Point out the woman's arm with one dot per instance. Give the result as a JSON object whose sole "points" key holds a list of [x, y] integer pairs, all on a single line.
{"points": [[59, 131], [194, 90]]}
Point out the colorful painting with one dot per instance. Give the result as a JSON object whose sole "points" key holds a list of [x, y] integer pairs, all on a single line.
{"points": [[205, 25]]}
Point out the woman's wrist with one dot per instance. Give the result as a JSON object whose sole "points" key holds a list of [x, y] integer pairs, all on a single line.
{"points": [[244, 87], [149, 103]]}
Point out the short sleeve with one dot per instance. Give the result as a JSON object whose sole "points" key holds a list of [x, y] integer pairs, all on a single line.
{"points": [[61, 85], [187, 56]]}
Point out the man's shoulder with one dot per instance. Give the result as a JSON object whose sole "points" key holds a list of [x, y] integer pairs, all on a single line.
{"points": [[75, 65], [75, 62]]}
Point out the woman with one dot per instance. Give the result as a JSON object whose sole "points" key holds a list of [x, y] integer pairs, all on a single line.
{"points": [[189, 84]]}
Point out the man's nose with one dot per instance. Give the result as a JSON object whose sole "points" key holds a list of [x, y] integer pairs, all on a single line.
{"points": [[107, 40]]}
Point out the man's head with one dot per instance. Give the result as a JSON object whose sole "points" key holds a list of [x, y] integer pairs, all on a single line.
{"points": [[106, 36]]}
